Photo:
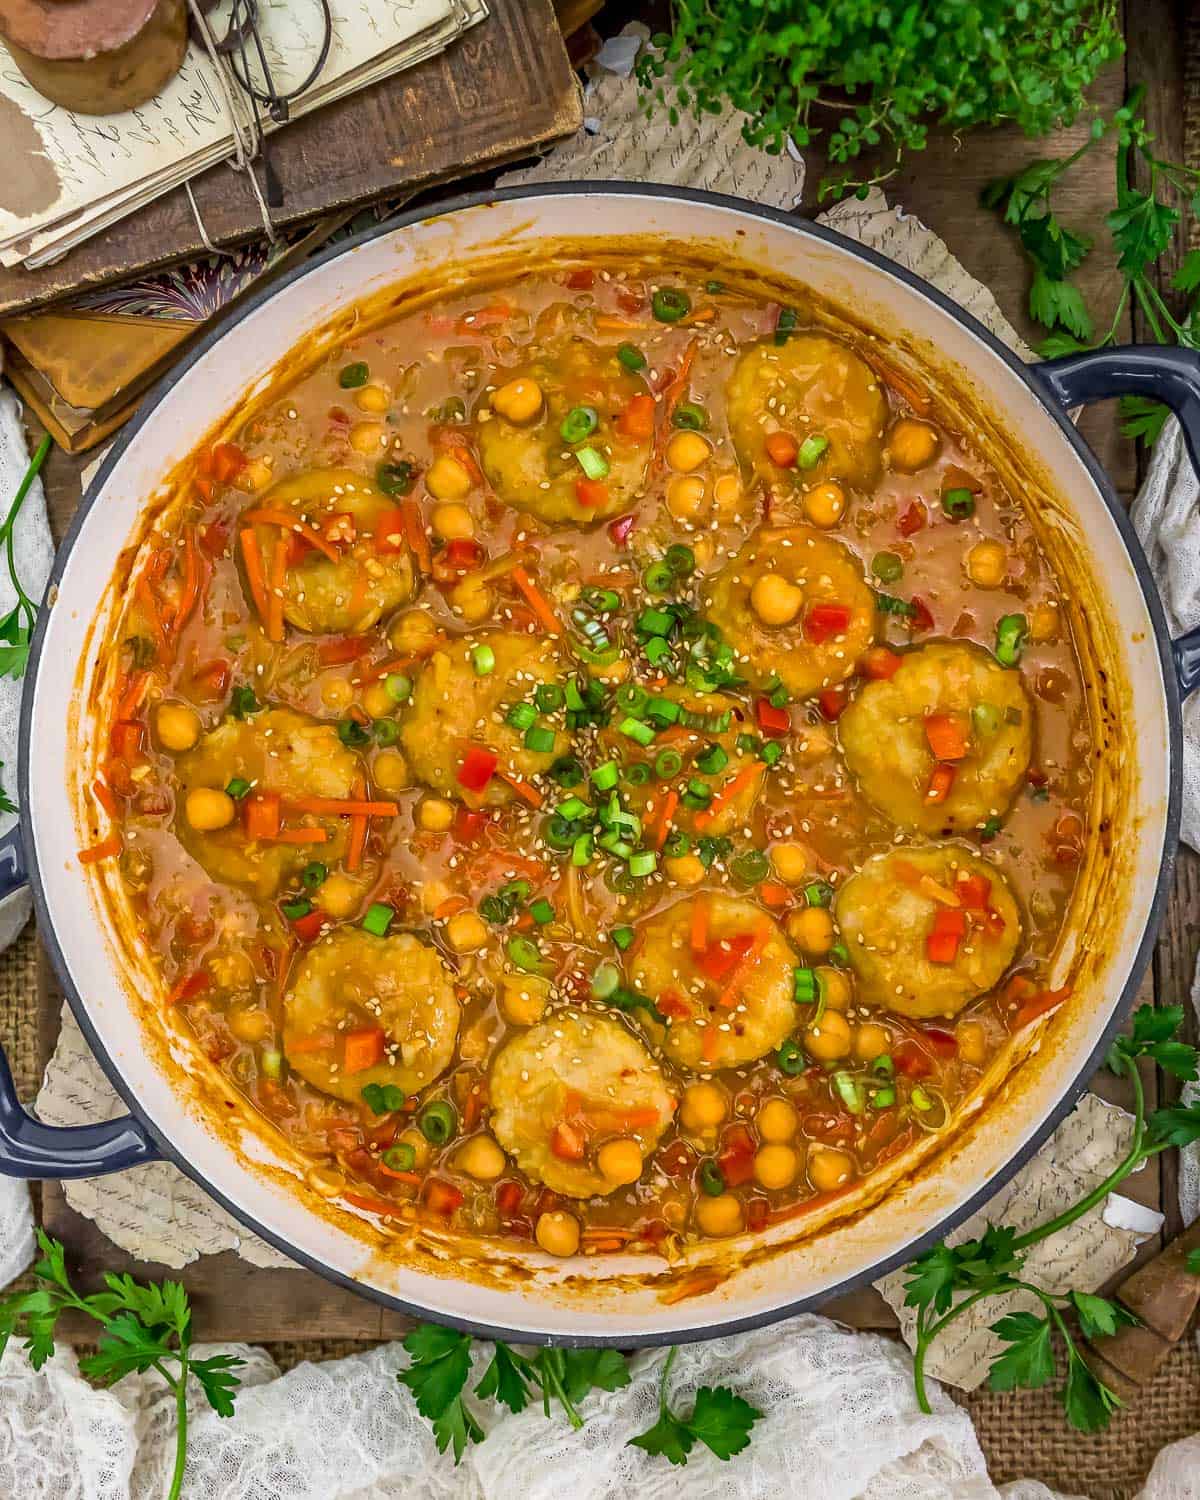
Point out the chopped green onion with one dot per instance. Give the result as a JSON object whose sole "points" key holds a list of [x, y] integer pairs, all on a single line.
{"points": [[920, 1099], [604, 777], [785, 324], [883, 1065], [378, 918], [818, 893], [294, 910], [572, 808], [771, 752], [958, 504], [605, 981], [680, 559], [567, 770], [887, 566], [398, 686], [697, 795], [669, 304], [790, 1059], [888, 604], [354, 375], [313, 875], [582, 850], [655, 622], [483, 659], [989, 830], [635, 730], [658, 578], [579, 422], [352, 734], [396, 478], [524, 954], [515, 891], [643, 863], [656, 649], [662, 712], [712, 760], [714, 288], [622, 937], [690, 416], [237, 787], [811, 450], [631, 357], [804, 986], [615, 844], [592, 462], [438, 1122], [668, 763], [541, 911], [839, 954], [676, 844], [750, 867], [521, 715], [638, 773], [1010, 639], [548, 696], [711, 1178], [382, 1098], [603, 601], [242, 702], [539, 740], [850, 1091], [883, 1098], [632, 699], [401, 1158]]}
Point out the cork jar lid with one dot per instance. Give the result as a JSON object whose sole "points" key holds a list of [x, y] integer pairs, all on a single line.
{"points": [[62, 30]]}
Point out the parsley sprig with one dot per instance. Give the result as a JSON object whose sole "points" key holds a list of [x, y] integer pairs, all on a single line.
{"points": [[143, 1326], [1140, 225], [440, 1372], [947, 1280]]}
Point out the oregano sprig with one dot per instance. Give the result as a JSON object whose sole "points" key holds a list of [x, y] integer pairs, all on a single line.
{"points": [[946, 1281]]}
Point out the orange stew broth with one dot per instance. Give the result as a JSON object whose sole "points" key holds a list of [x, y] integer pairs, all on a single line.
{"points": [[204, 643]]}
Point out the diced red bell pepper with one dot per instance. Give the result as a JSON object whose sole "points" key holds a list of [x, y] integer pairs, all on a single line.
{"points": [[469, 825], [974, 891], [722, 957], [228, 461], [442, 1197], [580, 280], [620, 529], [831, 702], [923, 619], [758, 1213], [949, 925], [771, 720], [736, 1158], [637, 419], [823, 621], [912, 519], [462, 555], [125, 739], [214, 538], [263, 815], [364, 1049], [188, 988], [591, 492], [509, 1197], [941, 779], [911, 1061], [880, 664], [345, 648], [389, 531], [478, 768], [944, 1043], [782, 449], [671, 1003], [308, 928], [211, 679], [568, 1142], [946, 736], [340, 530]]}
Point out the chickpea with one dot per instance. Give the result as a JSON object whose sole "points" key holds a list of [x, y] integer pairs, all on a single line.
{"points": [[687, 451], [378, 702], [435, 814], [829, 1039], [178, 726], [390, 771], [481, 1158], [871, 1041], [452, 522], [912, 445], [339, 896], [249, 1025], [828, 1168], [523, 998], [685, 869], [472, 599], [368, 437], [620, 1161], [466, 932], [704, 1106], [972, 1043], [791, 862], [209, 809], [775, 600], [812, 928], [1044, 623], [824, 504], [422, 1150], [777, 1120], [518, 400], [836, 986], [337, 693], [557, 1233], [728, 495], [372, 398], [987, 563], [411, 632], [447, 479], [231, 969], [776, 1166], [718, 1216], [685, 497]]}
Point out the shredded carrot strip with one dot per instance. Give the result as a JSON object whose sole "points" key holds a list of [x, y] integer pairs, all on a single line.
{"points": [[670, 803], [359, 823], [317, 1041], [144, 595], [105, 796], [113, 844], [358, 594], [762, 936], [402, 663], [450, 906], [699, 941], [615, 1232], [709, 1042], [413, 1178], [1047, 1000], [298, 836], [372, 1205], [414, 534], [344, 807], [701, 315], [537, 601], [727, 793], [192, 575], [252, 556], [671, 393], [131, 699], [913, 394], [266, 516], [524, 789], [279, 562]]}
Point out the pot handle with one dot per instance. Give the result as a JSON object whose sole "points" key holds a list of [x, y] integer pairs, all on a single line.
{"points": [[1161, 373], [27, 1147]]}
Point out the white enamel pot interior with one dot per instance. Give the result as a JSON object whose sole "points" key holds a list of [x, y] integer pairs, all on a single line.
{"points": [[576, 1302]]}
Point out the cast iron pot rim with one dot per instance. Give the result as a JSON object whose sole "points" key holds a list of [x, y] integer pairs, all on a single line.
{"points": [[936, 1232]]}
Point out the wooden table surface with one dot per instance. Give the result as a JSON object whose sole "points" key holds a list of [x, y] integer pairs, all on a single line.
{"points": [[941, 186]]}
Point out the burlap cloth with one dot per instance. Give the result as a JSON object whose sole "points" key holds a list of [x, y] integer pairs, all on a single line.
{"points": [[1023, 1434]]}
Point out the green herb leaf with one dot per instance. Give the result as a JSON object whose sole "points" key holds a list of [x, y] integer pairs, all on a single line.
{"points": [[669, 1438], [722, 1420], [1176, 1126], [125, 1345], [598, 1369], [1153, 1035], [1141, 230], [1144, 418], [506, 1378], [441, 1364], [1051, 246], [1059, 304], [217, 1380], [1029, 1359], [1193, 1261], [1100, 1318], [1089, 1402]]}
